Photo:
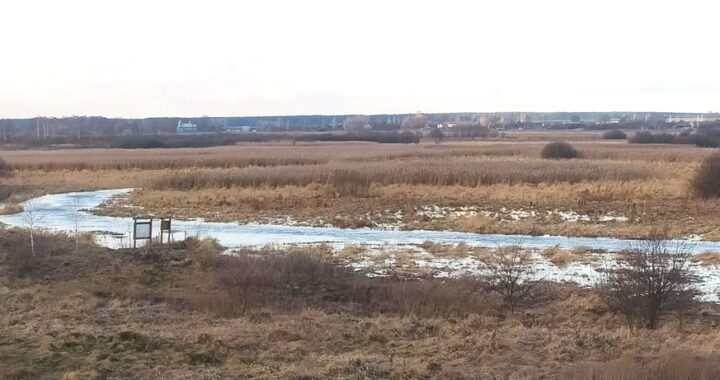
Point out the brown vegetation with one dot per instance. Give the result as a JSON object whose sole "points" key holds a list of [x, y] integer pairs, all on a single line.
{"points": [[708, 258], [559, 150], [511, 270], [5, 168], [184, 311], [448, 173], [650, 281], [614, 134], [354, 184], [706, 182]]}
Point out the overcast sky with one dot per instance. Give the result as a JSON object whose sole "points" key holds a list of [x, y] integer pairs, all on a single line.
{"points": [[276, 57]]}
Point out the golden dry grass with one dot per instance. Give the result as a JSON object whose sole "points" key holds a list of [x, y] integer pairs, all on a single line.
{"points": [[366, 185], [708, 258], [182, 312]]}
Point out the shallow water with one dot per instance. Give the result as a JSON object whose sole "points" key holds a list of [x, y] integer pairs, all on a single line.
{"points": [[59, 212]]}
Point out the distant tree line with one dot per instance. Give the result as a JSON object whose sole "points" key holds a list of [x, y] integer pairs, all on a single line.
{"points": [[42, 131], [706, 136], [213, 139]]}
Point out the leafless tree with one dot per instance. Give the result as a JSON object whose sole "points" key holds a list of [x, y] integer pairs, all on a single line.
{"points": [[510, 272], [31, 218], [649, 281], [76, 221], [356, 123], [438, 135], [416, 121]]}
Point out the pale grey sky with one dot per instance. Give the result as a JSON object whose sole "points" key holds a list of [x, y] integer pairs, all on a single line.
{"points": [[274, 57]]}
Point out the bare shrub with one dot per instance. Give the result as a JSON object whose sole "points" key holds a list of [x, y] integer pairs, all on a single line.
{"points": [[280, 281], [557, 255], [559, 150], [510, 273], [5, 168], [16, 251], [614, 134], [706, 183], [649, 282]]}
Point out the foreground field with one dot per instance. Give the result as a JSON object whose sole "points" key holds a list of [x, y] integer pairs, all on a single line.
{"points": [[185, 312], [614, 189]]}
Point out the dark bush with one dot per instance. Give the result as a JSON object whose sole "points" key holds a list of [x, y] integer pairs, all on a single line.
{"points": [[559, 150], [707, 137], [650, 281], [5, 168], [649, 138], [614, 134], [706, 182]]}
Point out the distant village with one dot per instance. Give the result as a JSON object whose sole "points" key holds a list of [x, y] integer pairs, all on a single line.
{"points": [[449, 124]]}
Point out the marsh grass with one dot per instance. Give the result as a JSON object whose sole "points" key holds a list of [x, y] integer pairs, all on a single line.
{"points": [[157, 312], [411, 172]]}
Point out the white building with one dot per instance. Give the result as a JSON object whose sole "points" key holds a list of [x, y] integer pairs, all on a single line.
{"points": [[186, 127]]}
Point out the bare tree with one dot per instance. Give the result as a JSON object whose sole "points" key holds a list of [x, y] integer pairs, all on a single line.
{"points": [[416, 121], [76, 221], [356, 123], [510, 272], [31, 218], [649, 281], [438, 135]]}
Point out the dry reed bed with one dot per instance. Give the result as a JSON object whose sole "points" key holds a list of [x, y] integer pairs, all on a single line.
{"points": [[186, 312], [408, 172], [277, 154], [170, 163]]}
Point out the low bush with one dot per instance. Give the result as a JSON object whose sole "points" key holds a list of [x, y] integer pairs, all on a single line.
{"points": [[559, 150], [651, 281], [614, 134], [292, 281], [706, 183], [5, 168]]}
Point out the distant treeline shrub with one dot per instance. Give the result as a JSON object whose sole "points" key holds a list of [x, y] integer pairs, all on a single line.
{"points": [[378, 137], [559, 150], [614, 134], [654, 138], [212, 139], [703, 137]]}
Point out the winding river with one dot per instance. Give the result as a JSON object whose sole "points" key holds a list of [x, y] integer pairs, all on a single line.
{"points": [[68, 211], [60, 212]]}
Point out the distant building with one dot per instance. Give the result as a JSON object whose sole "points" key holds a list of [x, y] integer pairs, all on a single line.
{"points": [[186, 127]]}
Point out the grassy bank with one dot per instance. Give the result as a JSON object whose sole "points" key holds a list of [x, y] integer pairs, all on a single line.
{"points": [[186, 312]]}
